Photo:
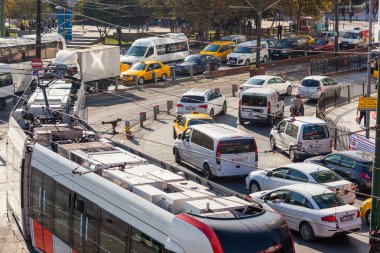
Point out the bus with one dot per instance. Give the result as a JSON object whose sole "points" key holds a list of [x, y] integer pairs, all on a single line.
{"points": [[71, 191], [166, 48]]}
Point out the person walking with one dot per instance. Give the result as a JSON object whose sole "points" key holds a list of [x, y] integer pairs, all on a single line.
{"points": [[362, 114], [296, 107], [351, 14], [279, 31]]}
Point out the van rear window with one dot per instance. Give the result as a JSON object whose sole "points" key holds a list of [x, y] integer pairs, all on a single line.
{"points": [[253, 100], [238, 146], [315, 132]]}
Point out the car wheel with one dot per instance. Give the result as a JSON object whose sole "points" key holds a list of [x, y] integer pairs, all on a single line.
{"points": [[141, 80], [224, 110], [254, 186], [241, 122], [282, 112], [164, 77], [212, 112], [368, 216], [206, 171], [265, 59], [358, 187], [272, 143], [176, 156], [174, 134], [292, 156], [3, 104], [306, 232], [289, 91], [247, 62], [271, 120]]}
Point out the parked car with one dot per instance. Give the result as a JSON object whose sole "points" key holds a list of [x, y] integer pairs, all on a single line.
{"points": [[352, 165], [354, 39], [181, 123], [199, 64], [301, 137], [297, 173], [260, 105], [217, 150], [313, 210], [144, 71], [206, 101], [237, 39], [245, 53], [322, 44], [271, 44], [312, 87], [219, 49], [290, 47], [265, 81], [365, 210]]}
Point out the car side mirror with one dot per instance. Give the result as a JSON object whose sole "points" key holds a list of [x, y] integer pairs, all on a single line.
{"points": [[275, 127], [269, 174], [180, 136], [220, 95]]}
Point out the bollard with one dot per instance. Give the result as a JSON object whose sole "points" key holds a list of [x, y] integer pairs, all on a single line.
{"points": [[156, 111], [142, 118], [96, 87], [349, 94], [116, 83], [234, 90], [208, 68], [136, 80], [128, 130], [217, 90], [172, 73], [308, 71], [169, 106], [154, 75], [191, 71]]}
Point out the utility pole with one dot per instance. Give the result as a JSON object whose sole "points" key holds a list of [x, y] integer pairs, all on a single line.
{"points": [[38, 30], [367, 113], [336, 25], [258, 33], [2, 18]]}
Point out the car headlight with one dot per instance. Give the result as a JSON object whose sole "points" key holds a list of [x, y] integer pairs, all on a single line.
{"points": [[284, 51]]}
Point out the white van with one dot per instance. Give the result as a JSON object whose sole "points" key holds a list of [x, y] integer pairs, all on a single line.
{"points": [[167, 48], [217, 150], [260, 105], [235, 38], [245, 53], [354, 39], [301, 137]]}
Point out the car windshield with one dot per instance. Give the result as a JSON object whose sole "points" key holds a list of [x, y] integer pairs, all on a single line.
{"points": [[137, 51], [350, 35], [319, 41], [254, 100], [310, 83], [200, 121], [285, 43], [315, 132], [243, 50], [212, 48], [192, 99], [255, 81], [325, 176], [238, 146], [328, 200], [139, 66], [193, 58], [5, 79]]}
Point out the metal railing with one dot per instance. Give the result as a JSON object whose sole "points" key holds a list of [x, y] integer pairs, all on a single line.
{"points": [[339, 97], [339, 63]]}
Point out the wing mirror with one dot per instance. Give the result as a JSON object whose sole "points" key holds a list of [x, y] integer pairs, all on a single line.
{"points": [[269, 174], [180, 136]]}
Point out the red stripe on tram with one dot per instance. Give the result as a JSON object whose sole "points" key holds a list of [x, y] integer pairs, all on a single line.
{"points": [[38, 236]]}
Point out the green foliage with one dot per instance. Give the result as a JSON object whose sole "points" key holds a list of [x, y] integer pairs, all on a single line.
{"points": [[23, 9]]}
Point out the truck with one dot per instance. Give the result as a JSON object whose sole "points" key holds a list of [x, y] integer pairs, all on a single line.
{"points": [[97, 67]]}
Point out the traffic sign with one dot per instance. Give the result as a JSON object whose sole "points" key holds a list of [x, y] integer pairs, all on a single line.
{"points": [[367, 104], [37, 63]]}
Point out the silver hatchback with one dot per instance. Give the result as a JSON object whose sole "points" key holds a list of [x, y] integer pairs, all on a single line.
{"points": [[313, 86]]}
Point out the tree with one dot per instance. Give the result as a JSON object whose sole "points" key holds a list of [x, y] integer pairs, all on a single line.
{"points": [[23, 9]]}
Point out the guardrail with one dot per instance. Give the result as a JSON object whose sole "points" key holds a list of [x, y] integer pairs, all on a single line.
{"points": [[339, 63], [338, 97]]}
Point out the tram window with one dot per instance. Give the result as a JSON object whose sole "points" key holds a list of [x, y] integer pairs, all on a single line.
{"points": [[62, 213], [48, 205], [140, 243], [92, 223], [36, 182], [77, 220], [112, 234]]}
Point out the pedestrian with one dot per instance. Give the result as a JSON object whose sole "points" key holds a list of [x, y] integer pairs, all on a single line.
{"points": [[366, 11], [46, 28], [362, 114], [351, 14], [344, 13], [279, 31], [326, 23]]}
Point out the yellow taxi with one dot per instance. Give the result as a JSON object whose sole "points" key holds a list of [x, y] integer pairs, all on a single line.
{"points": [[365, 210], [144, 71], [124, 67], [219, 49], [310, 40], [183, 121]]}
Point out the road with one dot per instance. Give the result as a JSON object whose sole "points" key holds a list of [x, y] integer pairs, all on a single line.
{"points": [[156, 137]]}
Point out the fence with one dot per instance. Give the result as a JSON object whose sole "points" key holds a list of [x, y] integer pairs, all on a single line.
{"points": [[343, 95], [339, 63]]}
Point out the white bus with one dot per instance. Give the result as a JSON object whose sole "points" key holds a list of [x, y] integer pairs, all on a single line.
{"points": [[167, 48]]}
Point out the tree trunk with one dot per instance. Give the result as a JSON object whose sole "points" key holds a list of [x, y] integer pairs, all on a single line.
{"points": [[218, 30]]}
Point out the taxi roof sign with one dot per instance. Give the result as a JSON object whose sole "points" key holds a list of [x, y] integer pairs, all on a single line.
{"points": [[367, 104]]}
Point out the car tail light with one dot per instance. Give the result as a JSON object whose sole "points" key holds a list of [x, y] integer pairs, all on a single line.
{"points": [[358, 214], [241, 88], [179, 105], [319, 89], [365, 176], [202, 106], [255, 150], [352, 187], [218, 153], [330, 218], [269, 108]]}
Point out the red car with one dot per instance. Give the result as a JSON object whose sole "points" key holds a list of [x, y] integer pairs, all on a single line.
{"points": [[322, 44]]}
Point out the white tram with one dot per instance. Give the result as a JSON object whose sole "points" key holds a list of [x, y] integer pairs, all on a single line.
{"points": [[73, 192]]}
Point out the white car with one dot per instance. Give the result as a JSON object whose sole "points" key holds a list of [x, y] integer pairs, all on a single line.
{"points": [[298, 173], [312, 87], [313, 210], [264, 81], [245, 53], [206, 101]]}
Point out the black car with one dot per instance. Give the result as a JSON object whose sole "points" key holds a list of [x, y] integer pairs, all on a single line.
{"points": [[271, 44], [352, 165], [199, 64], [290, 47]]}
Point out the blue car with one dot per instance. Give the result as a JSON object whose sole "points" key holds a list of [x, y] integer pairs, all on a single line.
{"points": [[199, 64]]}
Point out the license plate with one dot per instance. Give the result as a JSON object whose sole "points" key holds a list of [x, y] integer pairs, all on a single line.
{"points": [[346, 218], [316, 146], [190, 108], [239, 159], [232, 61]]}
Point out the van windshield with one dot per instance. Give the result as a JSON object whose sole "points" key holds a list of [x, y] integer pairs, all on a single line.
{"points": [[243, 50], [238, 146], [5, 79], [253, 100], [310, 83], [350, 35], [137, 51], [315, 132]]}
